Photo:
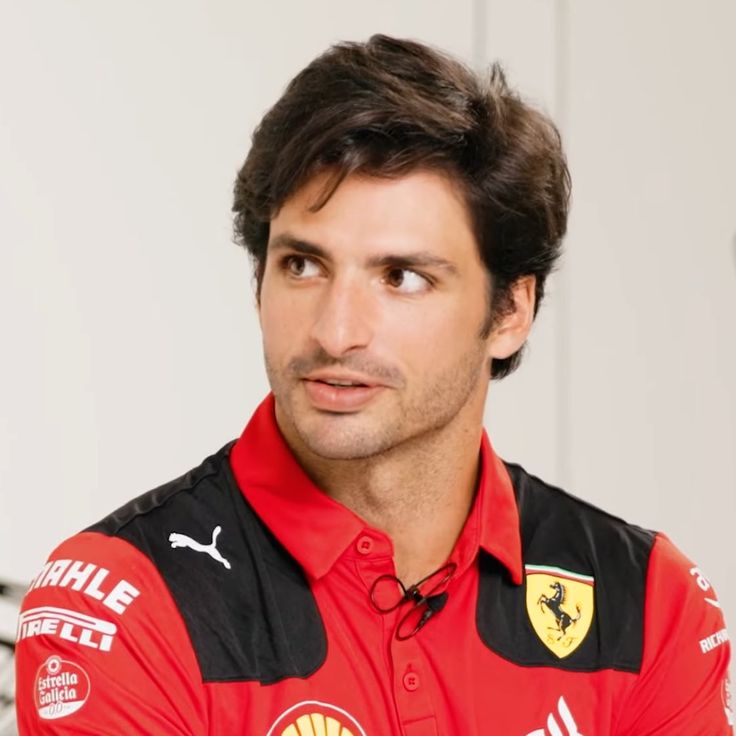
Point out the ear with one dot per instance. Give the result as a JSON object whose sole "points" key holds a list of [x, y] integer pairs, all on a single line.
{"points": [[512, 330]]}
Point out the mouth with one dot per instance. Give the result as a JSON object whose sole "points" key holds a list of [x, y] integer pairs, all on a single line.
{"points": [[340, 395]]}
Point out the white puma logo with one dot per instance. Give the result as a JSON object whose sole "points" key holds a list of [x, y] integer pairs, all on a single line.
{"points": [[182, 540]]}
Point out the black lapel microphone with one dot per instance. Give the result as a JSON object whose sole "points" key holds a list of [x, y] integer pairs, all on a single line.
{"points": [[435, 603], [432, 602]]}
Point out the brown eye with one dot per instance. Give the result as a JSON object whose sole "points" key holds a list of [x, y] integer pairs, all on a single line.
{"points": [[406, 281], [300, 266], [395, 277], [295, 265]]}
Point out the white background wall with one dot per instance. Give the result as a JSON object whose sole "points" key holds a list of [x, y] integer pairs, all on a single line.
{"points": [[130, 348]]}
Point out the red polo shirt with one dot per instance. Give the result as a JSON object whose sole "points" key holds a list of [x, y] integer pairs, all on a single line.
{"points": [[240, 599]]}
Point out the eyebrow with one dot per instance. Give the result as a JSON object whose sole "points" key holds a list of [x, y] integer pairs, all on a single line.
{"points": [[418, 259]]}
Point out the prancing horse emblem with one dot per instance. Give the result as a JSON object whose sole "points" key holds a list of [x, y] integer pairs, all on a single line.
{"points": [[182, 540], [563, 619], [560, 605]]}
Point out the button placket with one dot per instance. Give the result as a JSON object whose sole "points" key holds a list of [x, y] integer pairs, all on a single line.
{"points": [[373, 559], [412, 696]]}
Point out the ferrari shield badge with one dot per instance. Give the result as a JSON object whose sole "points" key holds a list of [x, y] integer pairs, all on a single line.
{"points": [[560, 606]]}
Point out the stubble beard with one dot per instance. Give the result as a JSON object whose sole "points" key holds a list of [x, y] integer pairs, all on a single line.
{"points": [[397, 419]]}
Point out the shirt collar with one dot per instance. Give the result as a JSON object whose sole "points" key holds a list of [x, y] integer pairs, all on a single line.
{"points": [[316, 530]]}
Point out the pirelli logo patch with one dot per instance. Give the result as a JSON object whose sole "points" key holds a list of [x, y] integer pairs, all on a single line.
{"points": [[560, 604], [72, 626]]}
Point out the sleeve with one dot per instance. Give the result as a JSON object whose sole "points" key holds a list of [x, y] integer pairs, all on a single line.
{"points": [[683, 687], [102, 649]]}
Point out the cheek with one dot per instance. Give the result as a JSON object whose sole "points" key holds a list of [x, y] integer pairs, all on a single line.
{"points": [[277, 322], [457, 318], [433, 336]]}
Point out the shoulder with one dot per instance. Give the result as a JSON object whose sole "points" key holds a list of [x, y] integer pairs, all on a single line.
{"points": [[585, 576], [226, 573], [616, 595], [97, 613], [552, 519], [192, 500], [111, 577], [684, 684], [682, 606], [629, 564]]}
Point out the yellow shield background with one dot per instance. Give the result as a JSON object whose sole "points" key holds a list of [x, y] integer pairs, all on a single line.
{"points": [[560, 604]]}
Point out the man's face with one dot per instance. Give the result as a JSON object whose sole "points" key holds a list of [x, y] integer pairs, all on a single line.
{"points": [[382, 288]]}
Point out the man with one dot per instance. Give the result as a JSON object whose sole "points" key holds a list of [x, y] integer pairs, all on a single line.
{"points": [[360, 561]]}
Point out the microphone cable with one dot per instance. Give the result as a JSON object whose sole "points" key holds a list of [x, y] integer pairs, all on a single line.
{"points": [[429, 603]]}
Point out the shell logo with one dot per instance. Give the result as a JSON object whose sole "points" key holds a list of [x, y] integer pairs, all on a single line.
{"points": [[313, 718]]}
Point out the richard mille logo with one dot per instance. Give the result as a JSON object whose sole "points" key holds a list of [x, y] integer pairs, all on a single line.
{"points": [[182, 540]]}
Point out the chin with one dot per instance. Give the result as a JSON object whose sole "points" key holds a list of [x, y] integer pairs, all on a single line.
{"points": [[346, 442]]}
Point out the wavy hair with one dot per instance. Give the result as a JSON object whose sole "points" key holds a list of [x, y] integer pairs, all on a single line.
{"points": [[390, 106]]}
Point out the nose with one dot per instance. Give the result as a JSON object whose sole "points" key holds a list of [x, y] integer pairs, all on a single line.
{"points": [[343, 320]]}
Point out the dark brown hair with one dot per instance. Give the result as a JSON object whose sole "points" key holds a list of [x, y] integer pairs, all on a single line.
{"points": [[391, 106]]}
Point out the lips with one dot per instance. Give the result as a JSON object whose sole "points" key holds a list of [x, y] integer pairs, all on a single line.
{"points": [[334, 398], [343, 384], [336, 376]]}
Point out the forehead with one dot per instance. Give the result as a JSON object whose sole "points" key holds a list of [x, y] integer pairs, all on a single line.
{"points": [[422, 209]]}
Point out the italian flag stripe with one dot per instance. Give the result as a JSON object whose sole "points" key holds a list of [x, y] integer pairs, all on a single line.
{"points": [[550, 570]]}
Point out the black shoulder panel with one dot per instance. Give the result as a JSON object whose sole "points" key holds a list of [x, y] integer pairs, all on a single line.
{"points": [[561, 531], [251, 615]]}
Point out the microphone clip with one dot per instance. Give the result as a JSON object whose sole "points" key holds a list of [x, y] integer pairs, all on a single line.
{"points": [[429, 603]]}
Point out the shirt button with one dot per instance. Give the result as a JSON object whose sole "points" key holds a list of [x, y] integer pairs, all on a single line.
{"points": [[365, 545], [411, 681]]}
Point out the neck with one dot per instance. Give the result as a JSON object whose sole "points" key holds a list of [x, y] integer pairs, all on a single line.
{"points": [[419, 493]]}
